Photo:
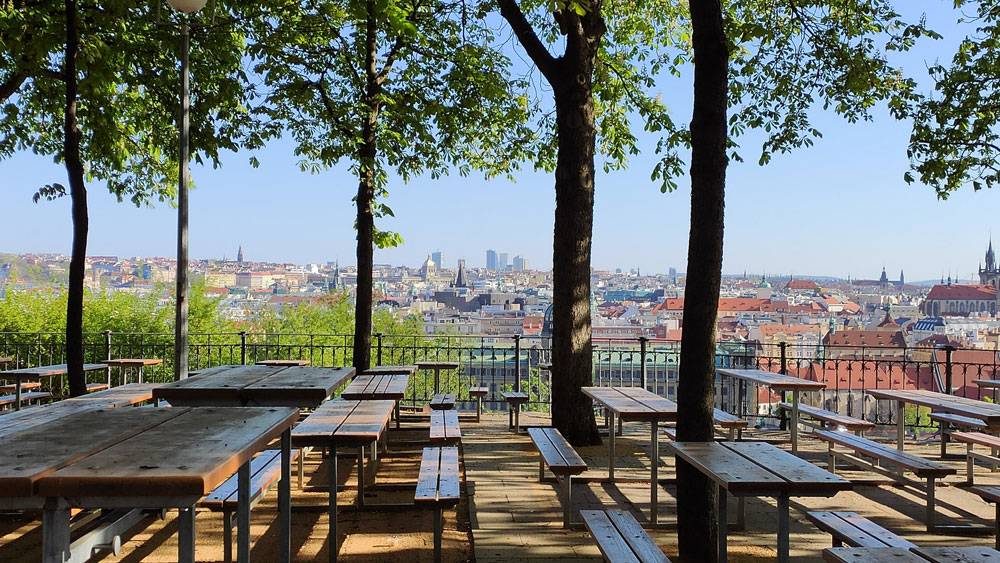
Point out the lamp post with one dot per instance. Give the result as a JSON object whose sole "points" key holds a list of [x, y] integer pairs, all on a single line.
{"points": [[181, 312]]}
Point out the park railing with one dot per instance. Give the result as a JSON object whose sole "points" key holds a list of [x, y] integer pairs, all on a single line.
{"points": [[522, 363]]}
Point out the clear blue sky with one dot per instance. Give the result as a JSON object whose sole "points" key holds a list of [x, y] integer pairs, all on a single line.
{"points": [[839, 208]]}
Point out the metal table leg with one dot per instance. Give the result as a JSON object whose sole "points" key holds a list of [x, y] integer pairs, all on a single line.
{"points": [[55, 531], [242, 515], [332, 510], [285, 498], [723, 524], [654, 462], [611, 446], [783, 542], [186, 535]]}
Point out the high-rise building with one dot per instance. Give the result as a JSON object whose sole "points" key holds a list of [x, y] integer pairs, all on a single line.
{"points": [[520, 263], [438, 259], [491, 259], [502, 264]]}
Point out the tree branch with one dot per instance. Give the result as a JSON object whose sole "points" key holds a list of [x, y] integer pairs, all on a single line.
{"points": [[11, 85], [529, 40]]}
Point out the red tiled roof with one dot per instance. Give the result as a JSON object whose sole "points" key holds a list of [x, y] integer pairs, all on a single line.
{"points": [[962, 291], [868, 338], [801, 284]]}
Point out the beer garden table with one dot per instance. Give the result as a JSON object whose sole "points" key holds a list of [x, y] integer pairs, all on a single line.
{"points": [[987, 412], [781, 383], [279, 363], [36, 373], [636, 404], [140, 459], [437, 367], [758, 469], [137, 363], [367, 387], [294, 386]]}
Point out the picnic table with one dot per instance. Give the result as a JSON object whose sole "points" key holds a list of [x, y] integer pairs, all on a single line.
{"points": [[407, 370], [136, 363], [280, 363], [36, 373], [437, 367], [758, 469], [962, 406], [912, 555], [294, 386], [636, 404], [391, 387], [139, 459], [6, 360], [780, 383], [344, 423]]}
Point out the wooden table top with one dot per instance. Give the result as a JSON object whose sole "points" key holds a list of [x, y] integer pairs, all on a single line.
{"points": [[369, 387], [303, 386], [776, 381], [759, 468], [6, 360], [913, 555], [133, 362], [189, 453], [121, 396], [283, 363], [341, 422], [633, 403], [47, 371], [16, 421], [988, 412], [987, 383], [390, 370], [436, 365]]}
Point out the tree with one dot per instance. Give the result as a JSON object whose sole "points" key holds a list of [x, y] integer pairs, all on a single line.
{"points": [[955, 138], [409, 86], [102, 68]]}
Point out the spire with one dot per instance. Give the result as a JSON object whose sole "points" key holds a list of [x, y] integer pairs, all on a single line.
{"points": [[901, 282], [460, 280], [990, 257], [239, 255]]}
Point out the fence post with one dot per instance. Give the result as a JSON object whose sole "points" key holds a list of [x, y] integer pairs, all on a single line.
{"points": [[378, 338], [642, 360], [782, 347], [947, 368], [243, 347], [107, 345], [517, 362]]}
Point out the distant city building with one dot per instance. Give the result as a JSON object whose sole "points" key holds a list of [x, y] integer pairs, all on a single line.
{"points": [[491, 259], [990, 275], [520, 263], [239, 255], [438, 258], [461, 280], [502, 263]]}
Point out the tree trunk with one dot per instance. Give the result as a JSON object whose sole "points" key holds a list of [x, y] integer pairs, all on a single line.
{"points": [[78, 195], [696, 495], [366, 195]]}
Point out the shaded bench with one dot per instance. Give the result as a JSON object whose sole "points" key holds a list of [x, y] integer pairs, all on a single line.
{"points": [[94, 387], [514, 400], [444, 427], [563, 462], [443, 401], [438, 487], [830, 418], [620, 537], [730, 423], [971, 439], [265, 471], [479, 393], [948, 420], [7, 400], [854, 530], [922, 468], [25, 386], [991, 495]]}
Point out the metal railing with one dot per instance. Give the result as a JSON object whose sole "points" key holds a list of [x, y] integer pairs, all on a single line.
{"points": [[520, 363]]}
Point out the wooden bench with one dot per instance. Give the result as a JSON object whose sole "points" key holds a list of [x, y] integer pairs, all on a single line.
{"points": [[730, 423], [514, 400], [7, 400], [620, 537], [265, 471], [438, 487], [443, 401], [855, 531], [829, 419], [444, 427], [991, 495], [479, 393], [25, 386], [948, 421], [971, 439], [563, 462], [922, 468], [93, 387]]}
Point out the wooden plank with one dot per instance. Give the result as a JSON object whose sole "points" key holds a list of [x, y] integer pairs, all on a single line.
{"points": [[17, 421], [977, 438], [48, 371], [451, 425], [871, 528], [726, 420], [427, 478], [612, 545], [803, 477], [989, 413], [318, 428], [957, 420], [121, 396], [633, 403], [920, 466], [25, 397], [30, 454], [870, 555], [25, 386], [390, 370], [365, 423], [296, 386], [725, 467], [641, 544], [843, 531], [989, 494], [229, 489], [572, 462], [848, 422], [442, 401], [187, 455], [449, 485], [437, 429], [479, 391], [550, 454], [958, 554], [665, 409], [217, 386], [280, 363], [437, 365], [775, 381], [133, 362]]}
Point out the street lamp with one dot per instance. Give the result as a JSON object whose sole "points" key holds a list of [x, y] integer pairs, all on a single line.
{"points": [[181, 313]]}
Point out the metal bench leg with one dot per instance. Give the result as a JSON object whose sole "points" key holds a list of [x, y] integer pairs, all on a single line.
{"points": [[361, 476], [227, 531], [438, 525], [302, 469], [332, 509], [285, 498], [930, 504], [243, 515], [479, 408], [541, 466], [611, 446], [783, 543], [55, 530], [831, 459], [654, 462], [741, 513], [567, 500], [185, 535], [996, 522], [970, 463], [723, 525]]}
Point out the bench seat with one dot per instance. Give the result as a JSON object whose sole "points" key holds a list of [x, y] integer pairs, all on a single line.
{"points": [[94, 387], [443, 401], [922, 468], [991, 495], [444, 427], [25, 386], [479, 393], [620, 537], [958, 420], [6, 400], [438, 487], [732, 424], [849, 528], [265, 471], [830, 418], [563, 462], [973, 439]]}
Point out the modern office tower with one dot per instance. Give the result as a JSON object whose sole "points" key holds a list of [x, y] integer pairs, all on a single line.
{"points": [[520, 263], [438, 259], [491, 259], [502, 264]]}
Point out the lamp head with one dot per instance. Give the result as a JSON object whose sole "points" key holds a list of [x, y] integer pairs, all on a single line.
{"points": [[187, 6]]}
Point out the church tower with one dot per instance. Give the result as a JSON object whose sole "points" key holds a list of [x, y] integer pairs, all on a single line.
{"points": [[239, 255], [990, 274]]}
